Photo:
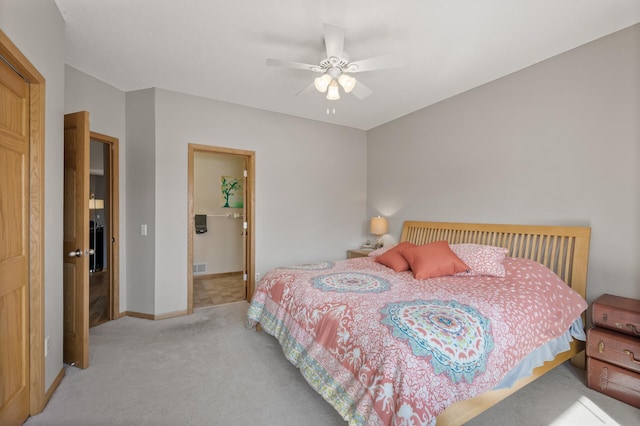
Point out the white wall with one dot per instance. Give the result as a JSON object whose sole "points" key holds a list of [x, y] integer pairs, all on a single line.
{"points": [[220, 248], [106, 106], [310, 185], [555, 143], [37, 29]]}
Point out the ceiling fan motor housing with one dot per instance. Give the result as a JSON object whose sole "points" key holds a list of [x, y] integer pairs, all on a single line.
{"points": [[335, 62]]}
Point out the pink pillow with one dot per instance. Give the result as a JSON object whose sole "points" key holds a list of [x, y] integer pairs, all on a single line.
{"points": [[433, 260], [394, 259], [482, 260]]}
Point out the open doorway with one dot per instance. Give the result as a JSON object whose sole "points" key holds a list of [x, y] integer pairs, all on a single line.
{"points": [[103, 224], [220, 240]]}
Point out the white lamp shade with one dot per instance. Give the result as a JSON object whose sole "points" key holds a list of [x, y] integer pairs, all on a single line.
{"points": [[95, 204], [347, 82], [321, 83], [334, 93], [379, 226]]}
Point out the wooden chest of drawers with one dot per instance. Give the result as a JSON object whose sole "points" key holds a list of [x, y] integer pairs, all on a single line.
{"points": [[613, 348]]}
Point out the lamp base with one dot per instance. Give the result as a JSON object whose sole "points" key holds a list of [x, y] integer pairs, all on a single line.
{"points": [[379, 243]]}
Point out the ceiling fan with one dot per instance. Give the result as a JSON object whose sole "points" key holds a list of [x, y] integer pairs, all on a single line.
{"points": [[335, 67]]}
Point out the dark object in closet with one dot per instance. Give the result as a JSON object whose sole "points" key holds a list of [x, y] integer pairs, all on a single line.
{"points": [[201, 223], [96, 242]]}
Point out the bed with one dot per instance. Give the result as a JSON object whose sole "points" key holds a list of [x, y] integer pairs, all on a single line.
{"points": [[383, 347]]}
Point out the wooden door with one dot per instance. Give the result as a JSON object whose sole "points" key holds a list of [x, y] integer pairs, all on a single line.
{"points": [[14, 247], [76, 239]]}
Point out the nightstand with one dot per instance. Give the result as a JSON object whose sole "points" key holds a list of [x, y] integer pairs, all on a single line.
{"points": [[351, 254]]}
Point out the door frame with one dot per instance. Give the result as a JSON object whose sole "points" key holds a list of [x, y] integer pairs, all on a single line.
{"points": [[14, 57], [250, 158], [113, 249]]}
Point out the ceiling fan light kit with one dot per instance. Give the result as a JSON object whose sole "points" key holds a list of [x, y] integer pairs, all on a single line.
{"points": [[347, 82], [335, 66], [333, 94], [330, 81], [322, 83]]}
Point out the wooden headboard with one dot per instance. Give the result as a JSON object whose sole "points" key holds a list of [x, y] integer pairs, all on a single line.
{"points": [[563, 249]]}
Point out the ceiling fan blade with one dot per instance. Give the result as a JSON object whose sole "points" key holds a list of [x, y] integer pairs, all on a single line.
{"points": [[294, 65], [375, 63], [306, 90], [361, 91], [334, 40]]}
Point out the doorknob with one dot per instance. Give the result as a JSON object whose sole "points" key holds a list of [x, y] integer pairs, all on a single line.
{"points": [[77, 253], [89, 252]]}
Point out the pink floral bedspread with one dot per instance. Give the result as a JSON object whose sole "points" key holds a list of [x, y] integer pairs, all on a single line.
{"points": [[385, 348]]}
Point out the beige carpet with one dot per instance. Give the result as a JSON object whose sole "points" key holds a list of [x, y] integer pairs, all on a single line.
{"points": [[208, 369]]}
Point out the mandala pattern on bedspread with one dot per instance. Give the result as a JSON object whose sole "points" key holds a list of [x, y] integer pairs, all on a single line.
{"points": [[455, 337], [385, 348], [357, 282]]}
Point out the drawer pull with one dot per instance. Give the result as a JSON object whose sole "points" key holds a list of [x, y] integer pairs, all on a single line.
{"points": [[600, 346], [634, 328], [632, 356], [604, 378]]}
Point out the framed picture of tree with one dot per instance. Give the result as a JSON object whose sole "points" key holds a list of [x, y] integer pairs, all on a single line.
{"points": [[231, 195]]}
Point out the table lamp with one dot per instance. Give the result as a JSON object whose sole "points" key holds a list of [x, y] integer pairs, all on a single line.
{"points": [[379, 227]]}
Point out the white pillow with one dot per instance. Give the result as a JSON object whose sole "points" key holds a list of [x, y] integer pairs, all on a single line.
{"points": [[481, 259]]}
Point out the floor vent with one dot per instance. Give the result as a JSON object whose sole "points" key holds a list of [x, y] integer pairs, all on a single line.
{"points": [[199, 268]]}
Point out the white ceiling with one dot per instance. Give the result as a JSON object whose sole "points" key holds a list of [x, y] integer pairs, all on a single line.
{"points": [[218, 48]]}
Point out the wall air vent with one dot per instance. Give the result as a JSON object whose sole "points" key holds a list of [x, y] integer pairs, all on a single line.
{"points": [[199, 268]]}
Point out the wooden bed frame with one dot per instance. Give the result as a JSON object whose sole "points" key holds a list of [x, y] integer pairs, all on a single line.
{"points": [[563, 249]]}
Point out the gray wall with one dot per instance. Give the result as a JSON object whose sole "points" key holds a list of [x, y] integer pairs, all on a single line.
{"points": [[141, 200], [37, 29], [555, 143], [106, 106], [310, 185]]}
